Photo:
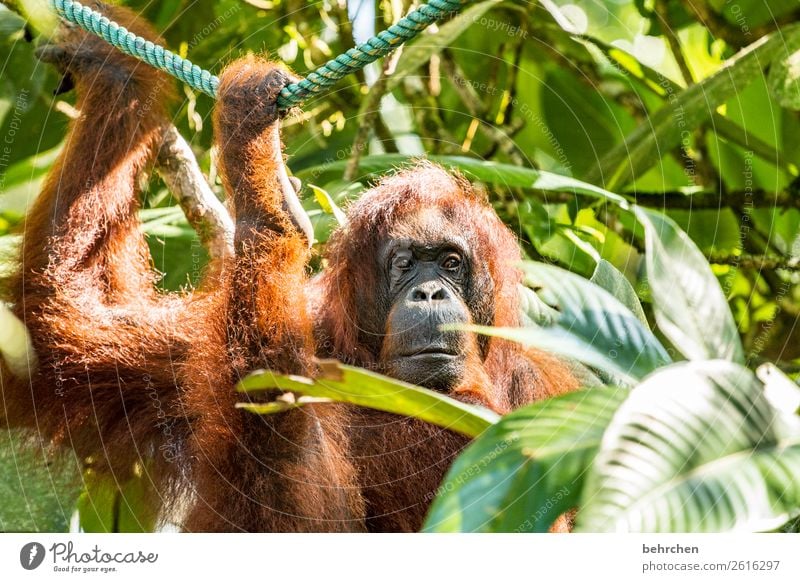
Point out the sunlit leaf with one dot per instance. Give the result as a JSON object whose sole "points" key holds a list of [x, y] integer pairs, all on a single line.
{"points": [[609, 278], [592, 326], [328, 205], [40, 14], [694, 448], [780, 390], [527, 469], [507, 175], [15, 344], [688, 302], [344, 383]]}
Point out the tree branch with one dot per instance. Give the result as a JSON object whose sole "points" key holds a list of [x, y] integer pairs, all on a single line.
{"points": [[757, 262], [699, 201], [205, 213], [757, 198], [662, 13]]}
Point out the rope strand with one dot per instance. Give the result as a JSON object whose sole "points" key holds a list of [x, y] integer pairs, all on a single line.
{"points": [[315, 82]]}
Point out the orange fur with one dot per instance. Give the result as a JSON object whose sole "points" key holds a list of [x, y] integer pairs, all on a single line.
{"points": [[130, 376], [401, 462]]}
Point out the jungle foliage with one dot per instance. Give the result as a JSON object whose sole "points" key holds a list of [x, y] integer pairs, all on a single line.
{"points": [[646, 153]]}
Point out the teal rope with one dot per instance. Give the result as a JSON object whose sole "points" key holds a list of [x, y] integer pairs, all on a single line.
{"points": [[291, 95]]}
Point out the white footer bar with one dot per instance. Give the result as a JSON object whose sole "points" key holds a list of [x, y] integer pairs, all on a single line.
{"points": [[406, 558]]}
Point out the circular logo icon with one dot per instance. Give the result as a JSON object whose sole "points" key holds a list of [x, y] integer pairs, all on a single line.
{"points": [[31, 555]]}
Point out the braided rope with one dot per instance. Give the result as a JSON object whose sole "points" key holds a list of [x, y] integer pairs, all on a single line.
{"points": [[316, 81]]}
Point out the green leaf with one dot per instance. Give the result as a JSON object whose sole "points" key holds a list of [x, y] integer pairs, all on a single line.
{"points": [[40, 15], [328, 205], [110, 507], [688, 303], [722, 127], [748, 14], [479, 170], [353, 385], [534, 311], [593, 327], [174, 246], [650, 141], [694, 448], [609, 278], [527, 469], [418, 52], [24, 179]]}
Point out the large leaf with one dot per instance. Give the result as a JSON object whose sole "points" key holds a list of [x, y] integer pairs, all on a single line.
{"points": [[491, 172], [650, 141], [609, 278], [593, 327], [358, 386], [107, 506], [533, 310], [694, 448], [688, 302], [527, 469]]}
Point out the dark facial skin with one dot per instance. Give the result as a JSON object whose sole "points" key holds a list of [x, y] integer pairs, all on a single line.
{"points": [[426, 283]]}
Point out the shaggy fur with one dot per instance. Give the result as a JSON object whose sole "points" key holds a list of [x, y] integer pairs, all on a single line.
{"points": [[401, 461], [129, 376]]}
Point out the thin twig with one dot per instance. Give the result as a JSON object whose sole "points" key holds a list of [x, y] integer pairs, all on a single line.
{"points": [[478, 110], [672, 40]]}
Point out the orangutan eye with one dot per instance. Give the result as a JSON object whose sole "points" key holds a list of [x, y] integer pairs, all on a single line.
{"points": [[401, 262], [451, 262]]}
